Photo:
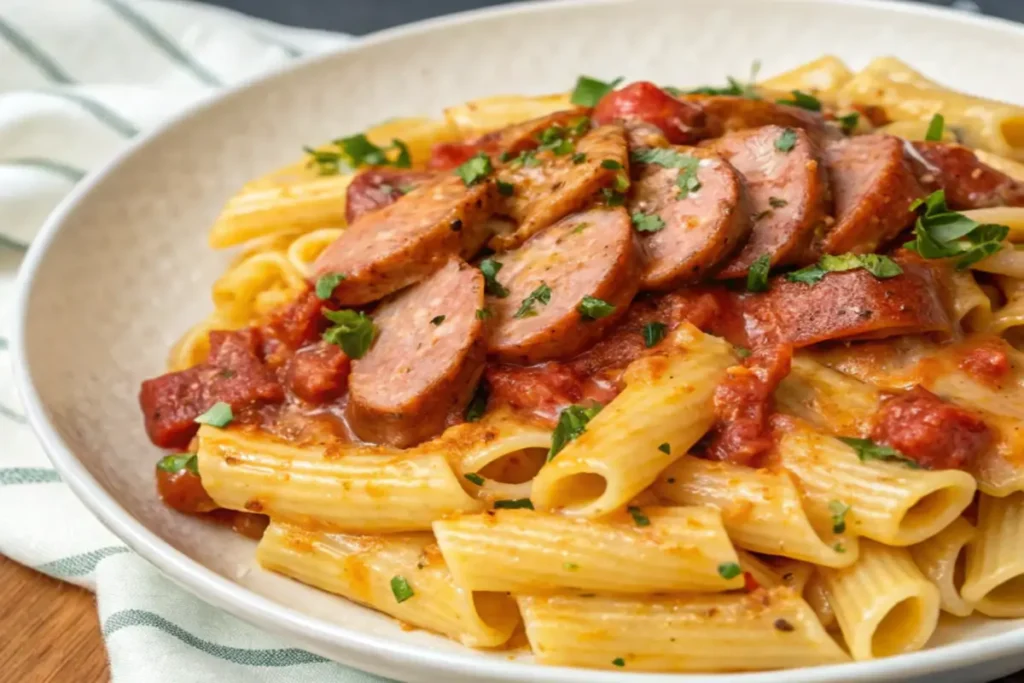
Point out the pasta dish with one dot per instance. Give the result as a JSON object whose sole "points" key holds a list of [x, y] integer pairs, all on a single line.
{"points": [[650, 378]]}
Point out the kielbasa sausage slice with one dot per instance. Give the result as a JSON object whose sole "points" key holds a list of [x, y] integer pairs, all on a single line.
{"points": [[788, 191], [587, 254], [376, 188], [872, 189], [725, 114], [405, 242], [425, 362], [699, 228], [968, 183]]}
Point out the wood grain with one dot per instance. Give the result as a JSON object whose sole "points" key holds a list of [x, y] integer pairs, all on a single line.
{"points": [[50, 631]]}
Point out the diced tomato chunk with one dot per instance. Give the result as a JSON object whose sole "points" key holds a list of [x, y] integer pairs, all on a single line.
{"points": [[318, 373], [681, 122], [183, 490], [445, 156], [544, 389], [988, 362], [292, 327]]}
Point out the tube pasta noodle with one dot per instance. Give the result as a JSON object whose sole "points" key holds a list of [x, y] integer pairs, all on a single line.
{"points": [[1007, 261], [678, 550], [761, 509], [914, 130], [1009, 318], [883, 603], [762, 573], [942, 559], [995, 567], [692, 633], [305, 249], [826, 399], [971, 306], [816, 596], [256, 286], [351, 488], [361, 568], [888, 502], [667, 400], [194, 346], [1014, 169], [476, 117], [822, 77]]}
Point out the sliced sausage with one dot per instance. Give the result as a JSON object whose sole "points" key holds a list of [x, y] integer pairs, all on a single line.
{"points": [[375, 188], [700, 230], [872, 189], [931, 432], [788, 190], [968, 183], [422, 366], [405, 242], [543, 192], [643, 102], [317, 373], [725, 114], [590, 253]]}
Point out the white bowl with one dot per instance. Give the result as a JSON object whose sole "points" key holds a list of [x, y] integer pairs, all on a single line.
{"points": [[122, 268]]}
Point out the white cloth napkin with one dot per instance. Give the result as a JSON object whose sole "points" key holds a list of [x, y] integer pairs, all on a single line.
{"points": [[78, 80]]}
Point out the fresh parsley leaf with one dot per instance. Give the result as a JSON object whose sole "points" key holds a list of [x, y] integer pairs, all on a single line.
{"points": [[869, 450], [777, 202], [638, 516], [665, 448], [849, 122], [474, 478], [518, 503], [478, 404], [735, 87], [653, 333], [612, 198], [475, 170], [687, 180], [619, 661], [580, 126], [941, 233], [647, 222], [742, 352], [621, 182], [326, 283], [579, 158], [527, 158], [489, 267], [729, 570], [838, 510], [611, 165], [437, 320], [589, 91], [803, 100], [935, 128], [505, 189], [572, 422], [839, 548], [401, 589], [353, 331], [483, 313], [593, 308], [542, 294], [356, 151], [219, 415], [570, 566], [757, 276], [177, 462], [786, 140], [882, 267]]}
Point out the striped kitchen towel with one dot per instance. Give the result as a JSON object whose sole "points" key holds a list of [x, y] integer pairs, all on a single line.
{"points": [[78, 80]]}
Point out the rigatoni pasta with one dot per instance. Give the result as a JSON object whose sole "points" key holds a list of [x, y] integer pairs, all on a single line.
{"points": [[994, 579]]}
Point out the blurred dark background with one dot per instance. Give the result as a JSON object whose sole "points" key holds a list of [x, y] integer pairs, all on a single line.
{"points": [[364, 16]]}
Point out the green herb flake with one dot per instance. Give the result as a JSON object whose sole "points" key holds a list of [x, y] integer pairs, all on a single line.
{"points": [[483, 314], [735, 87], [570, 566], [572, 422], [326, 283], [653, 333], [589, 91], [665, 448], [437, 320], [475, 169], [401, 589], [579, 158], [729, 570], [619, 661], [172, 464], [941, 233], [612, 198], [478, 404], [786, 140], [742, 352], [867, 449], [882, 267], [839, 547], [611, 165], [803, 100], [638, 516], [777, 202], [542, 295], [687, 180], [505, 189], [474, 478], [849, 122], [353, 331], [757, 276], [647, 222], [516, 504], [356, 151], [219, 415], [838, 510], [592, 308], [935, 128], [489, 267]]}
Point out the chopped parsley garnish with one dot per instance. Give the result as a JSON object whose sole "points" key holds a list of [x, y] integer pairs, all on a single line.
{"points": [[542, 294], [735, 88], [742, 352], [729, 570], [882, 267], [941, 233], [580, 125], [665, 448], [849, 122], [777, 202], [478, 404], [869, 450], [763, 214], [611, 165], [178, 462], [326, 283], [489, 267], [474, 478], [589, 91], [687, 180], [621, 182], [579, 158], [437, 320], [653, 333], [570, 566], [556, 139], [353, 331], [401, 589], [802, 100], [838, 510], [612, 198], [647, 222], [580, 227], [572, 422], [527, 158], [757, 276], [475, 170], [935, 128], [638, 516], [356, 151], [483, 313], [219, 415], [839, 548], [592, 308], [505, 189], [786, 140], [518, 503], [619, 661]]}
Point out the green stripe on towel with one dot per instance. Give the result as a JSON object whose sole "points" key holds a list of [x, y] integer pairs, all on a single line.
{"points": [[66, 171], [30, 51], [101, 111], [11, 476], [79, 565]]}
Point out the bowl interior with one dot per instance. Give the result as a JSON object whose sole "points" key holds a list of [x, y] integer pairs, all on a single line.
{"points": [[126, 268]]}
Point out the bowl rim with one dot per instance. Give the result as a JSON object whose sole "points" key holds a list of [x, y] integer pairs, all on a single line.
{"points": [[294, 625]]}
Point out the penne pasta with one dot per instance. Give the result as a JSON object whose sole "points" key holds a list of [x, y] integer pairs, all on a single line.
{"points": [[664, 409], [816, 596], [822, 78], [942, 558], [343, 488], [994, 579], [249, 291], [884, 604], [306, 248], [827, 400], [729, 632], [971, 306], [476, 117], [1007, 261], [401, 575], [659, 550]]}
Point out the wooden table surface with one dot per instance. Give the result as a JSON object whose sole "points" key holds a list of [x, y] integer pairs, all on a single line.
{"points": [[49, 631]]}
